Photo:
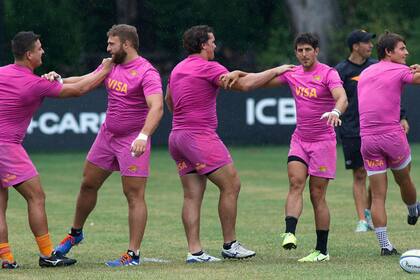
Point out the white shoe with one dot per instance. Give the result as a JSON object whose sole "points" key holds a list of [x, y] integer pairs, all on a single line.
{"points": [[362, 226], [204, 257], [237, 251]]}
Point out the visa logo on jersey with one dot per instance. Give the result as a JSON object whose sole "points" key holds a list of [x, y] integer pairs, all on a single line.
{"points": [[306, 92], [117, 86]]}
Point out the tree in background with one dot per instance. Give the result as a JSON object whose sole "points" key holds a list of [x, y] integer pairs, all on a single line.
{"points": [[250, 34]]}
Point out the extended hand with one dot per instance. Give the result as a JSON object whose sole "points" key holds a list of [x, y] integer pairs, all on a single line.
{"points": [[405, 125], [415, 68], [284, 68], [107, 64], [229, 79], [51, 76], [333, 118], [138, 147]]}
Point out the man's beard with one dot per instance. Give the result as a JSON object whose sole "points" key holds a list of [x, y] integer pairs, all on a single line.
{"points": [[119, 56]]}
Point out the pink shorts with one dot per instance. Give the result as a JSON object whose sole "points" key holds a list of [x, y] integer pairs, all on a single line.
{"points": [[15, 165], [389, 150], [198, 151], [112, 152], [320, 157]]}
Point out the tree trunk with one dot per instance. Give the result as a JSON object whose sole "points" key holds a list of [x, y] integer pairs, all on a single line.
{"points": [[316, 16]]}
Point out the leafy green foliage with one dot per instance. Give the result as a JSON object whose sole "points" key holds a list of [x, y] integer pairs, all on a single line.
{"points": [[251, 35]]}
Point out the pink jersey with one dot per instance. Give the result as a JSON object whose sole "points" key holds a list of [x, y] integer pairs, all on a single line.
{"points": [[127, 86], [312, 93], [21, 94], [194, 87], [379, 93]]}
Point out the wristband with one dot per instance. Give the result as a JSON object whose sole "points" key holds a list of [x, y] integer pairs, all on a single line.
{"points": [[59, 79], [336, 111], [142, 136]]}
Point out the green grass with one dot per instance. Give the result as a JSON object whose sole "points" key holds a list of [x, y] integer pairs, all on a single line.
{"points": [[260, 223]]}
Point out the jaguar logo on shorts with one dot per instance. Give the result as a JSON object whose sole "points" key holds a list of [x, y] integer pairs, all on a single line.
{"points": [[397, 160], [375, 163], [181, 165], [323, 168], [8, 178], [199, 166], [133, 168]]}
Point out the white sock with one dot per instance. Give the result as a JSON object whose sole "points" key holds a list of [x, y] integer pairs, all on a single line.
{"points": [[382, 236]]}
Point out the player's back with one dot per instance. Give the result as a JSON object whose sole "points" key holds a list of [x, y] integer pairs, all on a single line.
{"points": [[194, 87], [379, 93]]}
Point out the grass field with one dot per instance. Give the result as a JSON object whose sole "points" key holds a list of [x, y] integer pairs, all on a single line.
{"points": [[260, 223]]}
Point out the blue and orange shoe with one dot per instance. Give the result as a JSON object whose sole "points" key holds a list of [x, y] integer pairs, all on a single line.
{"points": [[126, 259], [68, 242]]}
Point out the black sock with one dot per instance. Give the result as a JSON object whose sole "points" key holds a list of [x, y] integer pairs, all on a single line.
{"points": [[321, 241], [199, 253], [291, 223], [132, 253], [227, 246], [75, 231]]}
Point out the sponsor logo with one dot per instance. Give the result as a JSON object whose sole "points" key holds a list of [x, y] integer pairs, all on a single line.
{"points": [[355, 78], [199, 166], [133, 73], [50, 123], [133, 168], [306, 92], [117, 86], [181, 165], [323, 168], [397, 160], [374, 163], [283, 111], [408, 265], [8, 178], [317, 78]]}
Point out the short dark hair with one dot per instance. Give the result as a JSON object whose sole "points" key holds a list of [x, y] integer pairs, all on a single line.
{"points": [[126, 33], [307, 38], [22, 42], [196, 36], [387, 42]]}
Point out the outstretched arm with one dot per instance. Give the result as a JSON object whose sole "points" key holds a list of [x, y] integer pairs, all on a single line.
{"points": [[87, 83], [242, 81]]}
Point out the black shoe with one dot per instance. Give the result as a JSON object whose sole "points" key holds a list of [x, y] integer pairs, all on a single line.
{"points": [[412, 220], [386, 252], [56, 259], [8, 265]]}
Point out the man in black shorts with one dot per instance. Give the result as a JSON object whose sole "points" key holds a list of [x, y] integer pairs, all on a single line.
{"points": [[360, 45]]}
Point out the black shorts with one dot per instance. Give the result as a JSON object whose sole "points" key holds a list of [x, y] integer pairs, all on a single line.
{"points": [[352, 155]]}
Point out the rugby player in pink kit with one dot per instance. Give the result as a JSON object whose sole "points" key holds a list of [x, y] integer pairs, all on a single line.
{"points": [[135, 107], [21, 94], [384, 142], [318, 93], [195, 146]]}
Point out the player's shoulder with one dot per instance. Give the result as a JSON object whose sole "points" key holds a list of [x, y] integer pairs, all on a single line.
{"points": [[342, 65], [142, 62], [371, 61]]}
